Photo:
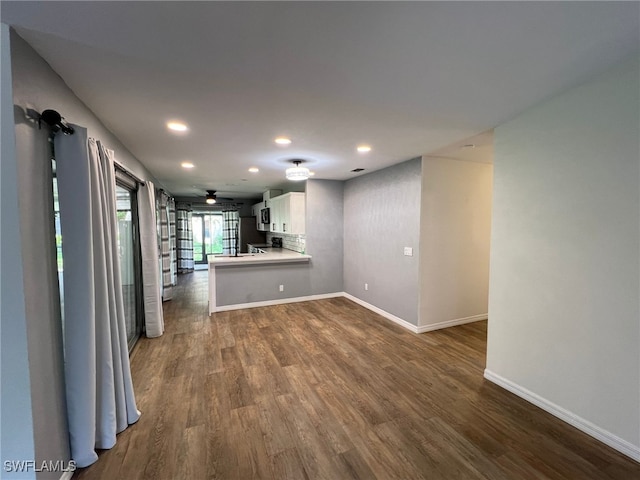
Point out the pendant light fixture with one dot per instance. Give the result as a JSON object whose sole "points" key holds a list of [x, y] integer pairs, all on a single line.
{"points": [[297, 173], [210, 198]]}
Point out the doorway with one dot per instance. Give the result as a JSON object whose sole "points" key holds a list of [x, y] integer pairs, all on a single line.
{"points": [[207, 235]]}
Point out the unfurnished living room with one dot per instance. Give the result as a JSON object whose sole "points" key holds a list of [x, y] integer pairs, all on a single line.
{"points": [[320, 240]]}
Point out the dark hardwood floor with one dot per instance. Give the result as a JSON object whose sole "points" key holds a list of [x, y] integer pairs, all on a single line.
{"points": [[330, 390]]}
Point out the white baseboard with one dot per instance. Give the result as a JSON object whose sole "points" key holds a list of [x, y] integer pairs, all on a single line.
{"points": [[379, 311], [606, 437], [452, 323], [389, 316], [280, 301]]}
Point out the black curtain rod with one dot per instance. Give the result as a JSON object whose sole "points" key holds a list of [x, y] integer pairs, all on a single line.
{"points": [[56, 122]]}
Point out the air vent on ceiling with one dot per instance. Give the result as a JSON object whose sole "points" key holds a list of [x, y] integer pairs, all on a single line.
{"points": [[356, 170]]}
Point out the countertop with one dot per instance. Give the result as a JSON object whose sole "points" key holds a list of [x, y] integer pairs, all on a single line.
{"points": [[272, 255]]}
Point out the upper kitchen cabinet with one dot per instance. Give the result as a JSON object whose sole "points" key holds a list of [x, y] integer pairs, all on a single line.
{"points": [[262, 210], [288, 213], [256, 211]]}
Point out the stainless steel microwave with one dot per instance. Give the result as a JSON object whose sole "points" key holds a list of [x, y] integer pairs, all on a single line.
{"points": [[264, 216]]}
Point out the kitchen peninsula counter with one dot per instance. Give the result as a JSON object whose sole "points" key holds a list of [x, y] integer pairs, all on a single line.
{"points": [[238, 282], [271, 255]]}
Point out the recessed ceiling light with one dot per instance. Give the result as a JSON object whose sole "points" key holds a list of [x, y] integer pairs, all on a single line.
{"points": [[469, 145], [187, 165], [363, 148], [254, 169], [177, 126], [283, 141]]}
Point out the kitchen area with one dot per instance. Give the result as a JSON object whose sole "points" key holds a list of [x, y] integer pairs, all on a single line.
{"points": [[266, 271]]}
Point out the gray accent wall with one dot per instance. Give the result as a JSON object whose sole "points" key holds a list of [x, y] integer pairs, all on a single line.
{"points": [[325, 235], [381, 217], [258, 283]]}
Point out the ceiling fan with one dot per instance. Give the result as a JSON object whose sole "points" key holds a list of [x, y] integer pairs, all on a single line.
{"points": [[211, 198]]}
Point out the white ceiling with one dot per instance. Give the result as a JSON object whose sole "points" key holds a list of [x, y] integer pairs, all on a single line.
{"points": [[408, 78]]}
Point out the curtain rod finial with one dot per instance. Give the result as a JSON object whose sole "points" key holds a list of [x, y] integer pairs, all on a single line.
{"points": [[56, 122]]}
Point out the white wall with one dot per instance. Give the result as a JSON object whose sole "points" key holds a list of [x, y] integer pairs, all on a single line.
{"points": [[564, 315], [381, 217], [17, 442], [455, 230]]}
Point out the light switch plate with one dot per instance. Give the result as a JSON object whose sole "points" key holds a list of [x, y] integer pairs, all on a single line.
{"points": [[408, 251]]}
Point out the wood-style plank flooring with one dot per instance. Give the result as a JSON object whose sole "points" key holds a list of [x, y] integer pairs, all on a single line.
{"points": [[330, 390]]}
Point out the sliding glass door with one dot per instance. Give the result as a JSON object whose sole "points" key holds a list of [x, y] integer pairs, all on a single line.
{"points": [[129, 256], [207, 235]]}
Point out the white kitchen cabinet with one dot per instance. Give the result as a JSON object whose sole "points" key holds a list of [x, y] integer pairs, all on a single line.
{"points": [[288, 213], [274, 213], [256, 211]]}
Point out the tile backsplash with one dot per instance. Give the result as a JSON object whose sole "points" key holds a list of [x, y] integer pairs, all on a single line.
{"points": [[297, 243]]}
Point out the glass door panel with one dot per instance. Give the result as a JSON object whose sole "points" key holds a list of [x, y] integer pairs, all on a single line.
{"points": [[197, 227], [213, 234], [207, 235], [127, 254]]}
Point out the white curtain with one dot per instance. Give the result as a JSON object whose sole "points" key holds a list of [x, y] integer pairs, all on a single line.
{"points": [[151, 284], [100, 396]]}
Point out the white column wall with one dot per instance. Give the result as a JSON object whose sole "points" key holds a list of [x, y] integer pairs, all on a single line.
{"points": [[564, 313]]}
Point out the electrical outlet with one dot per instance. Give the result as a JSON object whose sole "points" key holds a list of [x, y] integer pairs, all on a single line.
{"points": [[366, 286], [282, 288], [408, 251]]}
